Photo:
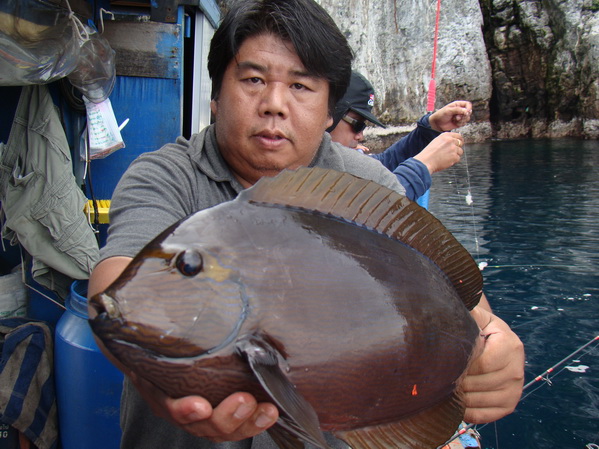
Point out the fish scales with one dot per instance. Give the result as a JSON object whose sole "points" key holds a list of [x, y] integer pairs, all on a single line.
{"points": [[315, 288]]}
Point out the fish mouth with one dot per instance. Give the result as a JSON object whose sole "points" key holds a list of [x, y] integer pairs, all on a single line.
{"points": [[103, 306], [122, 337], [118, 337]]}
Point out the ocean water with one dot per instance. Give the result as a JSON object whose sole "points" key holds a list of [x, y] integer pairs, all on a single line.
{"points": [[534, 220]]}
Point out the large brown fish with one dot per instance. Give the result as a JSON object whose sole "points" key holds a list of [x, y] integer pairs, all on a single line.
{"points": [[337, 299]]}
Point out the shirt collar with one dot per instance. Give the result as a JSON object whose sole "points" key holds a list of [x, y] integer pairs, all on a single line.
{"points": [[208, 159]]}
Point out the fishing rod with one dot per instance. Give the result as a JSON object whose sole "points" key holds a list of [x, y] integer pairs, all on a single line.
{"points": [[542, 376], [564, 360], [483, 265]]}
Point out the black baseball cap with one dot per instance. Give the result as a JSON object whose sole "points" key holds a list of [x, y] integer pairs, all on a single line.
{"points": [[359, 98]]}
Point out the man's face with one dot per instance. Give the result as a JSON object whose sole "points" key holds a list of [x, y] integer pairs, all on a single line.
{"points": [[345, 134], [270, 113]]}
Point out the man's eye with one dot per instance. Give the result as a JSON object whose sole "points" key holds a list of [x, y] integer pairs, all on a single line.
{"points": [[298, 86], [254, 80]]}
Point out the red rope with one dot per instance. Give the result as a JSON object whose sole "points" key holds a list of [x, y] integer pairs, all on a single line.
{"points": [[432, 87]]}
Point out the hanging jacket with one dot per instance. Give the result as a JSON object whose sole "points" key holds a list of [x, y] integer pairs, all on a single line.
{"points": [[42, 206]]}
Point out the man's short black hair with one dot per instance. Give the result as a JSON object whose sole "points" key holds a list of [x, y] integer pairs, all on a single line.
{"points": [[319, 44]]}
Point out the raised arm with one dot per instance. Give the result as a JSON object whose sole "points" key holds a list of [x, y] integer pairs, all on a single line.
{"points": [[451, 116]]}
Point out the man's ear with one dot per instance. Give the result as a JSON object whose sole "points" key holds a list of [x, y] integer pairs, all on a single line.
{"points": [[213, 107]]}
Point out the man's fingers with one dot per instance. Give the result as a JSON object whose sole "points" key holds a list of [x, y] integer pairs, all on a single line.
{"points": [[264, 416], [231, 413], [236, 418], [485, 415], [189, 409]]}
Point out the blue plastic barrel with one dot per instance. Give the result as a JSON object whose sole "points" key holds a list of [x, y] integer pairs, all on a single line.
{"points": [[88, 386]]}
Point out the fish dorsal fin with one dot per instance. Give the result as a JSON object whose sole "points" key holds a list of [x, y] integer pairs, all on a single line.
{"points": [[378, 208], [426, 430]]}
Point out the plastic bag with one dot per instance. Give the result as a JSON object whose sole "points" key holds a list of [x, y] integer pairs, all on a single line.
{"points": [[95, 72], [41, 43], [104, 134]]}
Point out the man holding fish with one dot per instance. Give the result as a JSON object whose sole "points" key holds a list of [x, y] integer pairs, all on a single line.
{"points": [[278, 67]]}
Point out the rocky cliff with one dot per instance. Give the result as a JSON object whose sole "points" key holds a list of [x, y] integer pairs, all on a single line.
{"points": [[545, 60], [530, 67]]}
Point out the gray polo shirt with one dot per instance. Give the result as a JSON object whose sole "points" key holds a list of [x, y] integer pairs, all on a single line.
{"points": [[164, 186]]}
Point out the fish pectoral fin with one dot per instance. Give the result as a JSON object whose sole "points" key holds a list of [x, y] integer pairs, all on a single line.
{"points": [[297, 416], [284, 438], [428, 429]]}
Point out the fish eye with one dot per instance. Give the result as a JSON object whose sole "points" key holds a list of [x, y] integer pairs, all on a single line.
{"points": [[189, 262]]}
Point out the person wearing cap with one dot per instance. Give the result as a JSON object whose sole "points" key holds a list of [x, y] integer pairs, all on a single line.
{"points": [[429, 148]]}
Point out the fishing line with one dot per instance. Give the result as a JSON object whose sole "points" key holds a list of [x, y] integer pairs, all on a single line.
{"points": [[31, 287], [496, 435], [533, 321], [469, 203], [430, 107], [49, 298]]}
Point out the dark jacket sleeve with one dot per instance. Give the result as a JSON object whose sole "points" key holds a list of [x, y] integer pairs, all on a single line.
{"points": [[398, 158], [414, 177]]}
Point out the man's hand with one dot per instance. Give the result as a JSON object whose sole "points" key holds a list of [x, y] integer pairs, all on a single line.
{"points": [[451, 116], [444, 151], [493, 384], [236, 418], [363, 149]]}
